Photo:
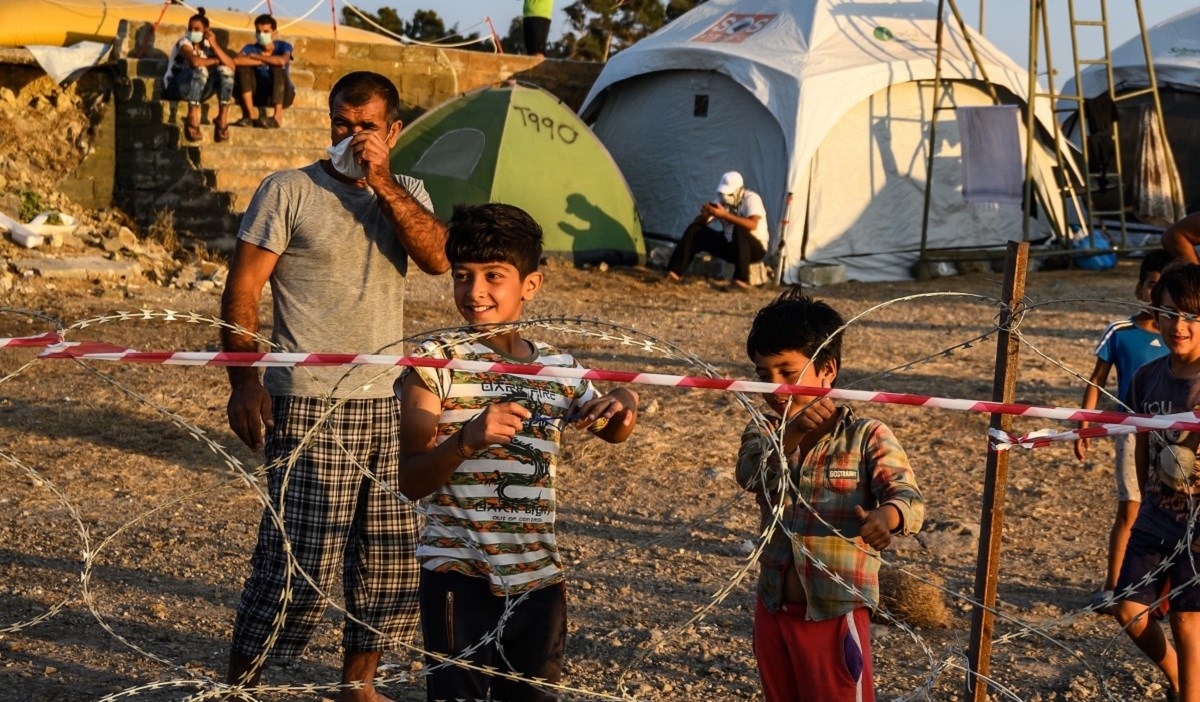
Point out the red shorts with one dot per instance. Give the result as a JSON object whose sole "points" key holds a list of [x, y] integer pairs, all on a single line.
{"points": [[801, 660]]}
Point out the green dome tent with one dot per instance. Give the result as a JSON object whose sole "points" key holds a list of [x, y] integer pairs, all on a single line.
{"points": [[520, 145]]}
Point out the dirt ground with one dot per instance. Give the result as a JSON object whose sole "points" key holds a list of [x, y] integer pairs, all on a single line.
{"points": [[653, 529]]}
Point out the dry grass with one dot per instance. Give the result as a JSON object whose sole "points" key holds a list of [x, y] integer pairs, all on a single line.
{"points": [[916, 602]]}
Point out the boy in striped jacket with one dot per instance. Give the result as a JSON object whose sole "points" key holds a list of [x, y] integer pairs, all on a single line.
{"points": [[483, 448]]}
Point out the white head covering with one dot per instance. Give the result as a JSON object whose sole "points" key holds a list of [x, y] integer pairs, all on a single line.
{"points": [[730, 189], [730, 183]]}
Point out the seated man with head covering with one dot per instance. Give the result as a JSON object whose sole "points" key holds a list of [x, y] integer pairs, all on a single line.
{"points": [[741, 240]]}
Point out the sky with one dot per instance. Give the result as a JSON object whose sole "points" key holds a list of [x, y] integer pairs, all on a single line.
{"points": [[1005, 26]]}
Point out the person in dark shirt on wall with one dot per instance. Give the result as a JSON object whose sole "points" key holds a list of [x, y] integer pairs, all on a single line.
{"points": [[262, 77]]}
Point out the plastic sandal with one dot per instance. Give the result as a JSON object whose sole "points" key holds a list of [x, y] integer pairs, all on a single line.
{"points": [[192, 132]]}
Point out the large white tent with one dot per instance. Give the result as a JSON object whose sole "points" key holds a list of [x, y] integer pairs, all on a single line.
{"points": [[825, 107], [1175, 52]]}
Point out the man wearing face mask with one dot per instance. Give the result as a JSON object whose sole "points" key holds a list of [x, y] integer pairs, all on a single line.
{"points": [[334, 239], [262, 77], [741, 239]]}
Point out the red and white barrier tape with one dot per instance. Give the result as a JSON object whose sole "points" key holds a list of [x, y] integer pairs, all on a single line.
{"points": [[1003, 441], [36, 341], [105, 352]]}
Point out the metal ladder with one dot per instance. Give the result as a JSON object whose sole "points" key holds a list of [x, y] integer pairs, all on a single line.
{"points": [[1096, 218]]}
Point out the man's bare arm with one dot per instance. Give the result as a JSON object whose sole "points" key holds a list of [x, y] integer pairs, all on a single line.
{"points": [[249, 404], [1181, 239], [420, 231], [280, 60]]}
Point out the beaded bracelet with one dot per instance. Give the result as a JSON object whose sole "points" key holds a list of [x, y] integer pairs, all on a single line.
{"points": [[462, 447]]}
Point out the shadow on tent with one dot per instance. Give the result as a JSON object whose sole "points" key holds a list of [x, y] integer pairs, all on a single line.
{"points": [[594, 241]]}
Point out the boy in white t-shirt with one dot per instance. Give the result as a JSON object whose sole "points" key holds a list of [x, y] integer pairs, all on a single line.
{"points": [[483, 447], [742, 239]]}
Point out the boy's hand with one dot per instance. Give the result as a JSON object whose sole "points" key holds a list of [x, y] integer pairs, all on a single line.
{"points": [[1081, 449], [497, 424], [877, 525], [619, 404], [812, 416]]}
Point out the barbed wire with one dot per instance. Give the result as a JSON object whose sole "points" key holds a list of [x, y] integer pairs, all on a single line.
{"points": [[205, 688]]}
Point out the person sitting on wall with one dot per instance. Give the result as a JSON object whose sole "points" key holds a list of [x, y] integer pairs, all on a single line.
{"points": [[189, 77], [262, 76], [741, 240]]}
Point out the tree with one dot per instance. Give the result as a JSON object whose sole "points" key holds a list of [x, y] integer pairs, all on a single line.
{"points": [[600, 28], [387, 18], [427, 26]]}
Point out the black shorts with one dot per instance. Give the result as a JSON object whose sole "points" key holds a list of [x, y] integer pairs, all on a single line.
{"points": [[1143, 555], [459, 611]]}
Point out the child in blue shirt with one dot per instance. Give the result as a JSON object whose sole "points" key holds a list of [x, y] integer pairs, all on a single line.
{"points": [[1127, 344]]}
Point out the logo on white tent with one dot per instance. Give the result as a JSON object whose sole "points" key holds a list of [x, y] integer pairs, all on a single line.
{"points": [[735, 28]]}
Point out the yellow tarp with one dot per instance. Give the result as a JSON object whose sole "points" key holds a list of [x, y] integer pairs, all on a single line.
{"points": [[65, 22]]}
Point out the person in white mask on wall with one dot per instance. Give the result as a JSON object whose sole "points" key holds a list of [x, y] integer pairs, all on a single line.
{"points": [[263, 79], [197, 68], [334, 238], [733, 227]]}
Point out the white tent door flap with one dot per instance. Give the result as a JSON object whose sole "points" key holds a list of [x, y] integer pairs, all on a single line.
{"points": [[703, 124]]}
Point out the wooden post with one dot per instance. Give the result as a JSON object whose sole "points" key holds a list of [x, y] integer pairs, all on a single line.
{"points": [[991, 521]]}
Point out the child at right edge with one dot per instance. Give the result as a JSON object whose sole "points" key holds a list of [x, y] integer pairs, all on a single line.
{"points": [[812, 634], [1159, 550], [1126, 345]]}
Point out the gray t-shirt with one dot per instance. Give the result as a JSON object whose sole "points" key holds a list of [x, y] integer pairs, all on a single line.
{"points": [[1156, 390], [339, 282]]}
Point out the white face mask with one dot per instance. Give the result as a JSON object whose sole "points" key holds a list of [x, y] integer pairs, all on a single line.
{"points": [[195, 37], [264, 38], [731, 199], [341, 156]]}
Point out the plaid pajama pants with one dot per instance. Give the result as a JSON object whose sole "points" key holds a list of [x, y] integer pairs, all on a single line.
{"points": [[335, 517]]}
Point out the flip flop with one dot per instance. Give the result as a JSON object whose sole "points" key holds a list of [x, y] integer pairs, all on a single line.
{"points": [[192, 132], [220, 133]]}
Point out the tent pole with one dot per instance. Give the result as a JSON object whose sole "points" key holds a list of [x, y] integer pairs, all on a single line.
{"points": [[1030, 119], [962, 27], [937, 99], [982, 13], [783, 225], [1063, 183]]}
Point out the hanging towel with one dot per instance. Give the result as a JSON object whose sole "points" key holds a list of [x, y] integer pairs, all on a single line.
{"points": [[991, 155], [1157, 191]]}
